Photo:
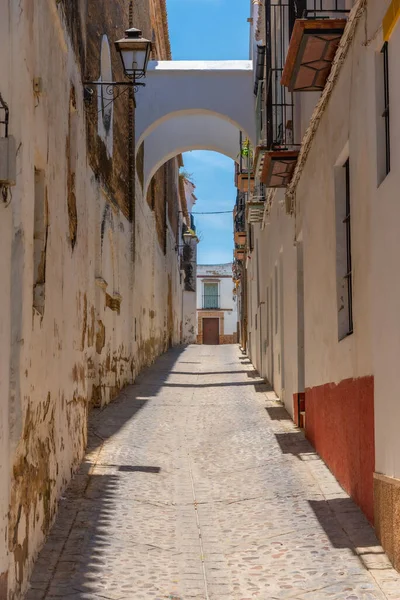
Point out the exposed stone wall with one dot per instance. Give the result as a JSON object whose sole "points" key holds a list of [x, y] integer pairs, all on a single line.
{"points": [[78, 231], [110, 18]]}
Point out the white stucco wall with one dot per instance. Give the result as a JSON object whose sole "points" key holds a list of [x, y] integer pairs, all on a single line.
{"points": [[385, 250], [340, 131], [374, 347], [196, 87], [272, 297]]}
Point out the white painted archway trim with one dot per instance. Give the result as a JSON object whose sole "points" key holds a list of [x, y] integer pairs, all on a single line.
{"points": [[184, 133]]}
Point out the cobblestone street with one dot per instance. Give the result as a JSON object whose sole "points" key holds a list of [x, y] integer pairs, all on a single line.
{"points": [[197, 485]]}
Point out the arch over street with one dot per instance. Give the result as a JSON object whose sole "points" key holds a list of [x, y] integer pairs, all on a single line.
{"points": [[187, 132], [193, 105]]}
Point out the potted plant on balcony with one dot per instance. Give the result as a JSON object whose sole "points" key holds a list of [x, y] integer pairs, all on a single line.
{"points": [[245, 177]]}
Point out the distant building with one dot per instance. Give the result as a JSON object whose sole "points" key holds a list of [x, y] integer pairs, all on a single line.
{"points": [[216, 305], [188, 255]]}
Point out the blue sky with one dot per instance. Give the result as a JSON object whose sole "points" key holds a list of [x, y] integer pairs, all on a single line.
{"points": [[211, 30]]}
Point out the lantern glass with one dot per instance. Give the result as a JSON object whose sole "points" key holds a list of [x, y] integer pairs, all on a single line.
{"points": [[135, 53]]}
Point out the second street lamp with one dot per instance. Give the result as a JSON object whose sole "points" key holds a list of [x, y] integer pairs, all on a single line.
{"points": [[134, 51]]}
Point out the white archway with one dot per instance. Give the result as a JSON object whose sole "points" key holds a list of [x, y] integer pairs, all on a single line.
{"points": [[189, 132], [186, 88]]}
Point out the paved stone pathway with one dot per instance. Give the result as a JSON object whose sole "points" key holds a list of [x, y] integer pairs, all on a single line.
{"points": [[197, 485]]}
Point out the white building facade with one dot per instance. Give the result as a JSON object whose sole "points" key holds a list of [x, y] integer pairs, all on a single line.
{"points": [[318, 264], [216, 305]]}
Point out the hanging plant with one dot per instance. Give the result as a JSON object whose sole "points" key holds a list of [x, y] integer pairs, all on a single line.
{"points": [[246, 150]]}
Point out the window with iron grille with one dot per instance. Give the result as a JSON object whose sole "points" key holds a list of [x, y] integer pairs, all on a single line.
{"points": [[344, 272], [210, 296], [383, 116]]}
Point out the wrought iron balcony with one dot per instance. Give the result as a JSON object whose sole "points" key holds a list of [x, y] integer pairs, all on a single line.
{"points": [[239, 219], [239, 212], [244, 174], [316, 35], [320, 9], [277, 148], [245, 155]]}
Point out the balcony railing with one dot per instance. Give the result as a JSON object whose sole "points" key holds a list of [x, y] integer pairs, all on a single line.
{"points": [[260, 114], [211, 302], [245, 155], [279, 126], [239, 213], [320, 9]]}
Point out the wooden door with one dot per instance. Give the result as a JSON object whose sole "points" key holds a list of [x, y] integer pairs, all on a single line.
{"points": [[211, 331]]}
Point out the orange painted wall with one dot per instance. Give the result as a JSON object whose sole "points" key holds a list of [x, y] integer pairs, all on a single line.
{"points": [[340, 426]]}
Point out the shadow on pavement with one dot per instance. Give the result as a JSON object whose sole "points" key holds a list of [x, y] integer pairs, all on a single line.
{"points": [[345, 525], [209, 372], [278, 413], [75, 561], [263, 387], [294, 443], [211, 385]]}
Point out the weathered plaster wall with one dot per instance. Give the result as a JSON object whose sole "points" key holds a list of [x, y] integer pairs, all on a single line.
{"points": [[5, 330], [110, 293]]}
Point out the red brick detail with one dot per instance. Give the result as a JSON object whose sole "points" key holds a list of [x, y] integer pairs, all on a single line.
{"points": [[227, 339], [340, 426], [299, 403]]}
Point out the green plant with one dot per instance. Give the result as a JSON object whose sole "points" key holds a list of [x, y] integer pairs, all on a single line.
{"points": [[183, 174], [246, 149]]}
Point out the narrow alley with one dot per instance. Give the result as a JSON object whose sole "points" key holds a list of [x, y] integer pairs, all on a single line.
{"points": [[197, 484]]}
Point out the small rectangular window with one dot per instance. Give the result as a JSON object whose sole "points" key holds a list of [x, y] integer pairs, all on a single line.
{"points": [[344, 273], [386, 112], [383, 113], [210, 296]]}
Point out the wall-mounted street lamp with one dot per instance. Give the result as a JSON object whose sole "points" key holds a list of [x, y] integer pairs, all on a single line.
{"points": [[134, 51]]}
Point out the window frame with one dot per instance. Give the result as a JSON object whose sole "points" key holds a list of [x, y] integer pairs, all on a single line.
{"points": [[386, 113], [214, 283], [349, 272]]}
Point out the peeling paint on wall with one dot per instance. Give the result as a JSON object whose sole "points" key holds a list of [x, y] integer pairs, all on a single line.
{"points": [[84, 348]]}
